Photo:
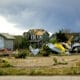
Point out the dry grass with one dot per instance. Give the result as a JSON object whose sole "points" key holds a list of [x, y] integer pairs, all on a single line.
{"points": [[43, 66], [40, 71], [45, 61]]}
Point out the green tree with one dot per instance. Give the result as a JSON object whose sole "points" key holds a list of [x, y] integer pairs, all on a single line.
{"points": [[25, 43], [17, 42], [20, 42], [53, 40], [61, 36]]}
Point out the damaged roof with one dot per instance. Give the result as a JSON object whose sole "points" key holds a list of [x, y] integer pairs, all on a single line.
{"points": [[38, 31]]}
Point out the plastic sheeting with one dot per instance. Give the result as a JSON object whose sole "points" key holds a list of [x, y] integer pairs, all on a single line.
{"points": [[53, 48], [60, 47], [34, 51]]}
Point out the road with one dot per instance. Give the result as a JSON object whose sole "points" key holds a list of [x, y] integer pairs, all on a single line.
{"points": [[39, 78]]}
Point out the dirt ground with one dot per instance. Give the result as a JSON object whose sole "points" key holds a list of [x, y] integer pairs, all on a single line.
{"points": [[45, 61]]}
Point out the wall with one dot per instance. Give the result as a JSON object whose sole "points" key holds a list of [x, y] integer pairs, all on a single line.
{"points": [[9, 44], [1, 42]]}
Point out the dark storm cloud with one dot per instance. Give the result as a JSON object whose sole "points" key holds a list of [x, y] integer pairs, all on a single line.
{"points": [[51, 15]]}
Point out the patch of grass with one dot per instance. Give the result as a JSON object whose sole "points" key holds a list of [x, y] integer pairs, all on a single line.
{"points": [[63, 62], [56, 62], [35, 72], [72, 71], [78, 63], [5, 63], [40, 71], [32, 72]]}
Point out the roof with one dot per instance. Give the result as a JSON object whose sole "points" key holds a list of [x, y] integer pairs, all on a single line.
{"points": [[38, 31], [7, 36]]}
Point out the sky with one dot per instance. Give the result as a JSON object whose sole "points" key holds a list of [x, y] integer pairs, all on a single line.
{"points": [[17, 16]]}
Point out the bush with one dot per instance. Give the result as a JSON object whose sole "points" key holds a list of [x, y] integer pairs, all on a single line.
{"points": [[53, 40], [55, 61], [45, 51], [22, 54], [5, 63], [32, 72]]}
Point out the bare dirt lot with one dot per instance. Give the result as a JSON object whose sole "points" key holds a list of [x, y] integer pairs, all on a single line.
{"points": [[52, 65], [46, 61]]}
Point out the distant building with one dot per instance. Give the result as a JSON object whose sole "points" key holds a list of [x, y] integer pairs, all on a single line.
{"points": [[37, 36], [6, 41]]}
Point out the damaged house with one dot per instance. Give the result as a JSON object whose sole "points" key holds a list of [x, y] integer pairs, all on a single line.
{"points": [[37, 37]]}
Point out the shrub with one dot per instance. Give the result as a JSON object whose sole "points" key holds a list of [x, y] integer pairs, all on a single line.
{"points": [[53, 40], [45, 51], [22, 54], [4, 60], [55, 61], [5, 63], [1, 72], [32, 72]]}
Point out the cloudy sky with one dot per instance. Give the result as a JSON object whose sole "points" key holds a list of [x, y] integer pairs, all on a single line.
{"points": [[17, 16]]}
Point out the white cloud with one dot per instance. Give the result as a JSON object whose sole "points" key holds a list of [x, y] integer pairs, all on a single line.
{"points": [[7, 27]]}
